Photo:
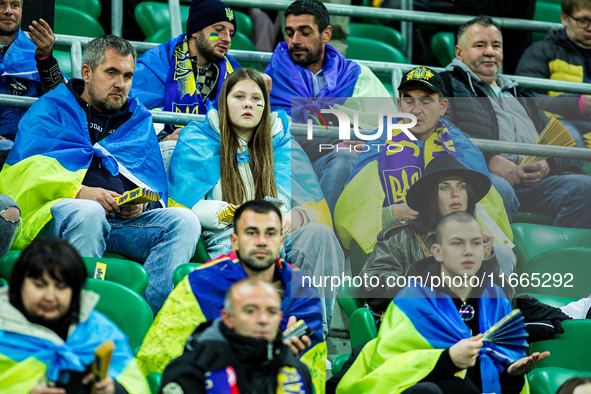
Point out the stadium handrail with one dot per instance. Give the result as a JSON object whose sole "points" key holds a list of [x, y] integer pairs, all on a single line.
{"points": [[7, 100]]}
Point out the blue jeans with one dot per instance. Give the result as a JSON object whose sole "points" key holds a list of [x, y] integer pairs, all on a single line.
{"points": [[576, 128], [506, 258], [6, 144], [507, 193], [564, 197], [7, 225], [161, 239], [332, 171], [313, 248], [167, 148]]}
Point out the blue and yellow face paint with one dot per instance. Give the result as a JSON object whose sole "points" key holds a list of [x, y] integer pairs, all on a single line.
{"points": [[260, 107], [213, 36]]}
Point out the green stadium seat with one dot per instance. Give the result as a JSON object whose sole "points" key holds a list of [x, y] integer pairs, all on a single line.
{"points": [[241, 42], [566, 350], [243, 23], [373, 50], [124, 307], [377, 32], [76, 23], [557, 269], [358, 258], [161, 36], [338, 362], [362, 327], [154, 381], [443, 46], [91, 7], [535, 218], [587, 168], [183, 270], [545, 12], [548, 380], [126, 272], [3, 282], [533, 239], [350, 297], [200, 255]]}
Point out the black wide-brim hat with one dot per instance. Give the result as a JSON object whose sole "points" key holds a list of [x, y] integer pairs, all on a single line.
{"points": [[444, 166]]}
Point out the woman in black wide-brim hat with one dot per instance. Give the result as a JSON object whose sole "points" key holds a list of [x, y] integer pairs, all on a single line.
{"points": [[445, 187]]}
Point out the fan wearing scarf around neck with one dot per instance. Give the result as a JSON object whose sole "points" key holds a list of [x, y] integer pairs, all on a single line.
{"points": [[375, 196], [445, 187], [431, 338], [49, 329]]}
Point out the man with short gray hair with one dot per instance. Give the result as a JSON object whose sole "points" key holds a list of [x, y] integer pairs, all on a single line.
{"points": [[83, 145]]}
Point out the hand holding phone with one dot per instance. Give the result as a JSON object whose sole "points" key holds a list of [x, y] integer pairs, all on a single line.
{"points": [[297, 336]]}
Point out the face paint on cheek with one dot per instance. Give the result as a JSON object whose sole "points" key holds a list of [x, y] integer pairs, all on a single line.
{"points": [[260, 107], [213, 36]]}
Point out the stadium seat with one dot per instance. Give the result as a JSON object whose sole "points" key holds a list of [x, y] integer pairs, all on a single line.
{"points": [[358, 258], [350, 297], [183, 270], [362, 327], [154, 381], [3, 282], [557, 269], [91, 7], [127, 309], [548, 380], [545, 12], [243, 23], [161, 36], [76, 23], [377, 32], [535, 218], [556, 302], [63, 58], [200, 255], [373, 50], [442, 45], [126, 272], [338, 362], [241, 42], [533, 239], [566, 350]]}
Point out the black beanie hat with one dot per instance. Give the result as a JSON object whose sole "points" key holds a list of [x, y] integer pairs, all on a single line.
{"points": [[204, 13]]}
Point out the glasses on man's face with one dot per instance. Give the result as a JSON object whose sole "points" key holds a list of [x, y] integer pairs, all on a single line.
{"points": [[582, 23]]}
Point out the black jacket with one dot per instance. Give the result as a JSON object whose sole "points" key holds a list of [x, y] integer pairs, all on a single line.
{"points": [[213, 347]]}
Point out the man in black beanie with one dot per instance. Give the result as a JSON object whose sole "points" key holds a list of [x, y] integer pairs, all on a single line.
{"points": [[179, 76]]}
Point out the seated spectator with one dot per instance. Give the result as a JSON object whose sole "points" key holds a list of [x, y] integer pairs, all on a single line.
{"points": [[80, 146], [9, 220], [179, 76], [28, 67], [243, 349], [445, 187], [246, 152], [199, 297], [375, 196], [305, 67], [540, 187], [49, 326], [577, 385], [429, 340]]}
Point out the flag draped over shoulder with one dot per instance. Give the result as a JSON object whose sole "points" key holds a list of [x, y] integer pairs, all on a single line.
{"points": [[383, 174], [199, 297], [164, 78], [291, 80], [52, 153], [19, 60], [195, 167], [25, 360], [418, 326]]}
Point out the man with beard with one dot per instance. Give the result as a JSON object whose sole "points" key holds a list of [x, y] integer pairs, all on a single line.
{"points": [[307, 68], [199, 297], [78, 148], [180, 75], [28, 67]]}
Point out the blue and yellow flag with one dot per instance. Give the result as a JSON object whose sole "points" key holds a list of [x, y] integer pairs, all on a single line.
{"points": [[195, 167], [199, 297], [52, 153], [417, 327]]}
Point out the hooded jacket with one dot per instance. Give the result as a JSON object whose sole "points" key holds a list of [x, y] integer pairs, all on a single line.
{"points": [[218, 358]]}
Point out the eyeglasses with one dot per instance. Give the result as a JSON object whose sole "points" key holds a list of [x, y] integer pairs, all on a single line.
{"points": [[466, 312], [582, 23]]}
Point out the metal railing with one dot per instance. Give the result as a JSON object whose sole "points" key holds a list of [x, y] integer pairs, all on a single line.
{"points": [[7, 100]]}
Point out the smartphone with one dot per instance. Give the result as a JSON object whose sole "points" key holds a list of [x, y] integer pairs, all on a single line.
{"points": [[297, 330], [33, 10]]}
